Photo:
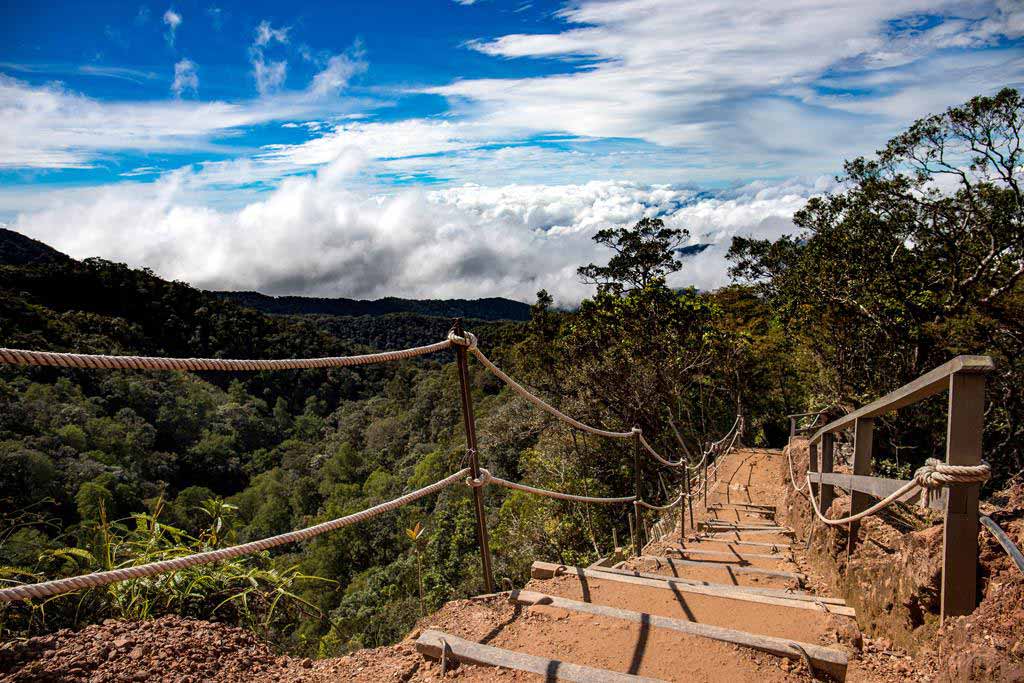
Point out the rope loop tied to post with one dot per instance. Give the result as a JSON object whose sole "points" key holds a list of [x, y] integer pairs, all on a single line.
{"points": [[484, 479], [935, 474], [469, 339]]}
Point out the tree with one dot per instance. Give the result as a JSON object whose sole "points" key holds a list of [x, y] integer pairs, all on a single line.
{"points": [[644, 254], [918, 258]]}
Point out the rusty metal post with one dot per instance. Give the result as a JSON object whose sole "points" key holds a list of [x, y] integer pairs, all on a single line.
{"points": [[682, 510], [632, 533], [689, 497], [469, 421], [636, 487], [863, 453], [960, 536], [706, 482]]}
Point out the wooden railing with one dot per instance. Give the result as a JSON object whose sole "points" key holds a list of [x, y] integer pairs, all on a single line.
{"points": [[795, 426], [964, 379]]}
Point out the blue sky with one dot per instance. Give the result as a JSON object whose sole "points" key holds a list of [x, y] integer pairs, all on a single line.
{"points": [[455, 148]]}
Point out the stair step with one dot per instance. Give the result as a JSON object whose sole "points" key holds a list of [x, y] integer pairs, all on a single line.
{"points": [[735, 568], [732, 555], [833, 662], [742, 505], [547, 570], [728, 587], [757, 544], [432, 644], [717, 532], [721, 525]]}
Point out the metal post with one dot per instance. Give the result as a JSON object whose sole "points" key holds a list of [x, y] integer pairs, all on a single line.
{"points": [[706, 482], [960, 537], [812, 467], [863, 453], [682, 511], [636, 485], [632, 533], [689, 498], [827, 491], [474, 459]]}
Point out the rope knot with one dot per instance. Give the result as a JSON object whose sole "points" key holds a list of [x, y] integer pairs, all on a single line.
{"points": [[636, 430], [469, 340], [484, 480], [935, 474]]}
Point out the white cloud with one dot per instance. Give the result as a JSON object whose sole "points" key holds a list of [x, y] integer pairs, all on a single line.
{"points": [[314, 235], [266, 34], [185, 77], [51, 127], [173, 20], [740, 80], [269, 75], [335, 75]]}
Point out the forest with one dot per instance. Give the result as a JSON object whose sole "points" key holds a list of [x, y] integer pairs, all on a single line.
{"points": [[917, 257]]}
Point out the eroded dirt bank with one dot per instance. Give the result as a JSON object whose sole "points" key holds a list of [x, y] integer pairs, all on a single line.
{"points": [[893, 579]]}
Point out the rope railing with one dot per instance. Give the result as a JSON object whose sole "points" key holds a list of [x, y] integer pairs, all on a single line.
{"points": [[94, 580], [96, 361], [470, 342], [934, 474], [487, 478]]}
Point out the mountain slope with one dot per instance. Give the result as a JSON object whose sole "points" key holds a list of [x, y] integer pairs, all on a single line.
{"points": [[493, 308]]}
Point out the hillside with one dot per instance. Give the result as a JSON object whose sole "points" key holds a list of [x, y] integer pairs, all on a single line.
{"points": [[18, 250], [494, 308]]}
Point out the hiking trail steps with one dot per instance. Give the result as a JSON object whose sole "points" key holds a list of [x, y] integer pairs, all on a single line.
{"points": [[726, 602]]}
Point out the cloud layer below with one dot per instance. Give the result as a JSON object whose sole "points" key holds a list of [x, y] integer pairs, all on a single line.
{"points": [[315, 236]]}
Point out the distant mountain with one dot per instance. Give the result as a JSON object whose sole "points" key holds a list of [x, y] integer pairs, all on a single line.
{"points": [[495, 308], [18, 250]]}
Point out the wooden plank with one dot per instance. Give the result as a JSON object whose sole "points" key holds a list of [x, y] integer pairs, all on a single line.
{"points": [[729, 587], [546, 570], [715, 506], [793, 576], [750, 532], [863, 454], [731, 555], [960, 535], [832, 662], [880, 487], [431, 644], [924, 386], [759, 544], [729, 526]]}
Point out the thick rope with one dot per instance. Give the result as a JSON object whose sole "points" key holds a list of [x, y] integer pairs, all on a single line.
{"points": [[668, 506], [487, 478], [48, 588], [470, 342], [934, 474], [84, 360]]}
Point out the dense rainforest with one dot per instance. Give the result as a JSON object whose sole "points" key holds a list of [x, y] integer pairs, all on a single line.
{"points": [[918, 256]]}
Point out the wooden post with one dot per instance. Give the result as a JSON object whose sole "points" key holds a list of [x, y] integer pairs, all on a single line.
{"points": [[469, 422], [615, 540], [827, 491], [863, 453], [960, 538], [812, 466], [792, 428]]}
